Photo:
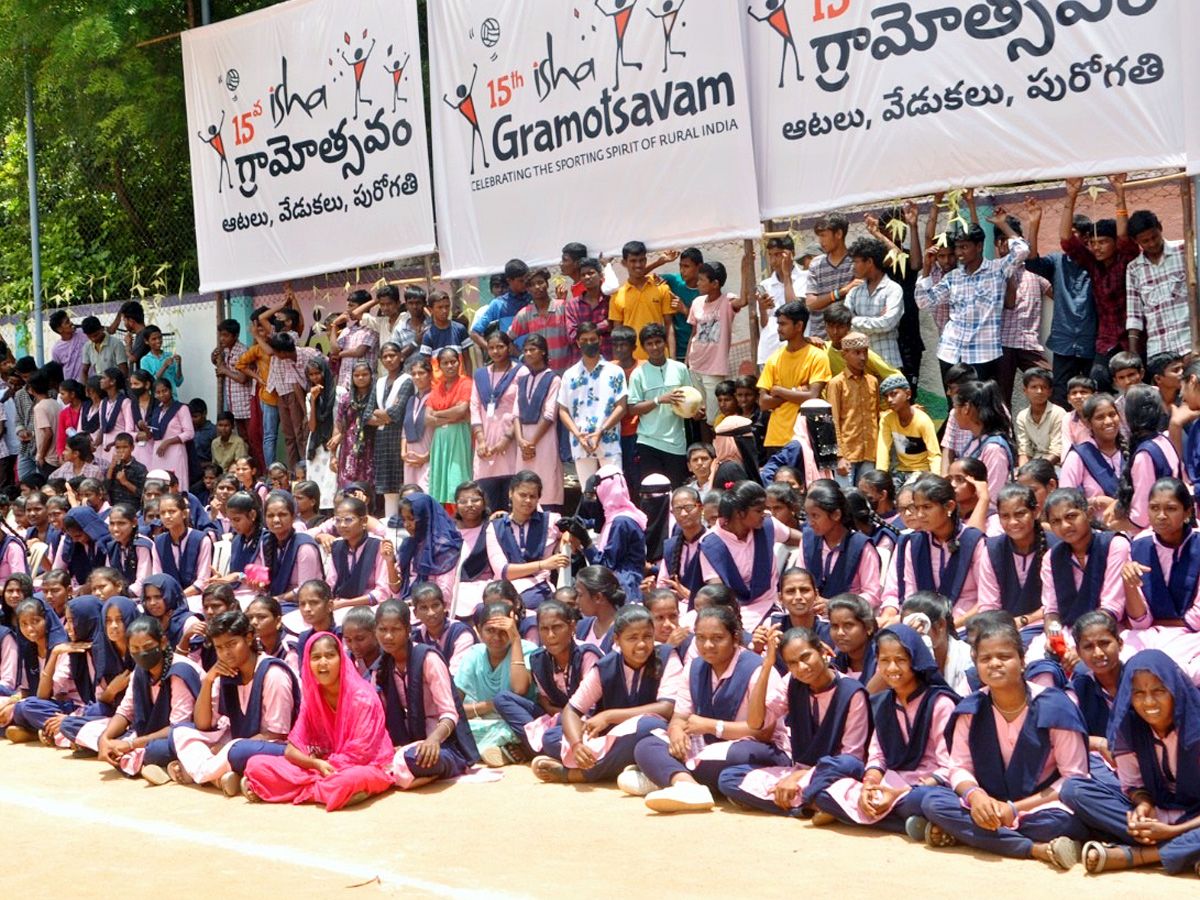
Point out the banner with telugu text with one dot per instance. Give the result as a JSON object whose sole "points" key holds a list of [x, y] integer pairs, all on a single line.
{"points": [[859, 101], [308, 140], [598, 121]]}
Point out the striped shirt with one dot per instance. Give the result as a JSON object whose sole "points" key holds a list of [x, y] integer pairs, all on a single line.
{"points": [[552, 326]]}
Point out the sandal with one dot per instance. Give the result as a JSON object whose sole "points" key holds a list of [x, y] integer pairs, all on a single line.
{"points": [[1098, 864], [935, 836], [248, 792], [230, 784], [549, 770], [1065, 852], [915, 826], [821, 817]]}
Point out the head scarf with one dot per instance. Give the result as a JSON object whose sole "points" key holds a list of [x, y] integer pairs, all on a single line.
{"points": [[175, 603], [89, 522], [353, 735], [613, 494], [109, 661], [326, 407], [87, 619], [735, 435], [436, 544], [358, 414], [655, 501]]}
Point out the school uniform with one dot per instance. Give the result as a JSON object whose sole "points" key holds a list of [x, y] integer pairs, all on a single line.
{"points": [[1090, 469], [908, 745], [1043, 747], [1168, 769], [188, 560], [681, 560], [290, 563], [455, 640], [746, 567], [527, 718], [415, 702], [923, 563], [137, 561], [270, 702], [726, 697], [354, 572], [996, 453], [609, 684], [834, 722], [1070, 589], [1171, 597], [1153, 459], [624, 553], [474, 571], [850, 566], [511, 542], [1011, 580]]}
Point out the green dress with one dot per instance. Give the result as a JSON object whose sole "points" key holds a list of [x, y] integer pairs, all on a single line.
{"points": [[479, 682], [450, 452]]}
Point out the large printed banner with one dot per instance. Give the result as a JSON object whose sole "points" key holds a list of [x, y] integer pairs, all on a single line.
{"points": [[597, 121], [308, 140], [857, 101]]}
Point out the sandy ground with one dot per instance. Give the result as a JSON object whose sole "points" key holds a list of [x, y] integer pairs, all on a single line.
{"points": [[114, 837]]}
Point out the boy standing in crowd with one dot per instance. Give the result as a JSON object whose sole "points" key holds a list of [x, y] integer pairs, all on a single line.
{"points": [[798, 371], [654, 388], [830, 277], [853, 396], [642, 300]]}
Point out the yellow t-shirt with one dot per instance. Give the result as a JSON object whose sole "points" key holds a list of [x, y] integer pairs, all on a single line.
{"points": [[917, 448], [638, 307], [794, 370]]}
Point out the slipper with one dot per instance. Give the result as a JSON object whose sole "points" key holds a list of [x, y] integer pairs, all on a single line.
{"points": [[1066, 852], [230, 784], [936, 837], [549, 770], [821, 817], [155, 775], [248, 792], [1101, 849]]}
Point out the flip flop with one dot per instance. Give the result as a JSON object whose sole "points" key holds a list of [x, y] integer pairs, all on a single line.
{"points": [[1101, 848], [248, 792], [1066, 852], [821, 817], [914, 827], [178, 773]]}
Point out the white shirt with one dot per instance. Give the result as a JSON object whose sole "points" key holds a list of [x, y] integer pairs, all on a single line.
{"points": [[768, 338]]}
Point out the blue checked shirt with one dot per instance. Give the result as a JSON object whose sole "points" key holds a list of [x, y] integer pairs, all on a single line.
{"points": [[976, 306]]}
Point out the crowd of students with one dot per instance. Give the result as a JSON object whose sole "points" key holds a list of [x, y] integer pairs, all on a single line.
{"points": [[783, 589]]}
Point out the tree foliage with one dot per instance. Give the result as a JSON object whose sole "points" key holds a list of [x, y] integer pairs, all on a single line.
{"points": [[114, 183]]}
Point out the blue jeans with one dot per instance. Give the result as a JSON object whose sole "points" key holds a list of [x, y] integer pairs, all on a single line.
{"points": [[270, 420]]}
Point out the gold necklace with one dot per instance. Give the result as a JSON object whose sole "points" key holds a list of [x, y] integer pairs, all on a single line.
{"points": [[1010, 712]]}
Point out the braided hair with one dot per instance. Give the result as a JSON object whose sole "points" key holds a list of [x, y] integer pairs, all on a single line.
{"points": [[1143, 415], [129, 560], [863, 514], [1028, 499], [675, 563]]}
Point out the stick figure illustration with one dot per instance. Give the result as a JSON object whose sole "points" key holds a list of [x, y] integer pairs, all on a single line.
{"points": [[776, 17], [620, 11], [214, 140], [466, 106], [359, 64], [668, 14], [397, 70]]}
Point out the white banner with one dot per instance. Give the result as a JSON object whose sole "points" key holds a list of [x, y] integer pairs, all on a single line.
{"points": [[598, 121], [308, 140], [858, 101]]}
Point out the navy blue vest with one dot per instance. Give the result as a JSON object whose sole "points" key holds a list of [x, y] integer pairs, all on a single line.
{"points": [[353, 582], [841, 576], [689, 575], [246, 723], [950, 581], [1074, 602], [407, 725], [727, 699], [451, 631], [1016, 598], [901, 754], [1098, 467], [535, 538], [542, 668], [813, 739], [1169, 599], [615, 694], [584, 626], [1019, 779], [189, 557], [285, 561], [1092, 702], [149, 715], [721, 560]]}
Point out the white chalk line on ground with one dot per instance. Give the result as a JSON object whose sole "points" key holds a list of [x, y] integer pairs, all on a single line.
{"points": [[275, 853]]}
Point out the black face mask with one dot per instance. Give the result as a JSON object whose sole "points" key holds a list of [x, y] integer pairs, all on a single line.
{"points": [[590, 350], [148, 659]]}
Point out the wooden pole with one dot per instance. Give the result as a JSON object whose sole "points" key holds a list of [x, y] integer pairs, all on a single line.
{"points": [[750, 293], [1188, 199]]}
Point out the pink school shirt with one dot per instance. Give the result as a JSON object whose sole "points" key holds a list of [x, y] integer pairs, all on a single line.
{"points": [[461, 645], [500, 562], [865, 582], [1129, 772], [1112, 590], [1068, 750], [858, 718], [935, 760], [690, 549], [182, 702], [13, 561], [999, 468], [1143, 478], [742, 552], [590, 689], [988, 582], [496, 421], [1166, 560], [378, 589], [438, 691], [307, 567], [967, 596], [10, 669], [712, 320], [1074, 430], [203, 559], [276, 700], [1075, 474], [684, 706]]}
